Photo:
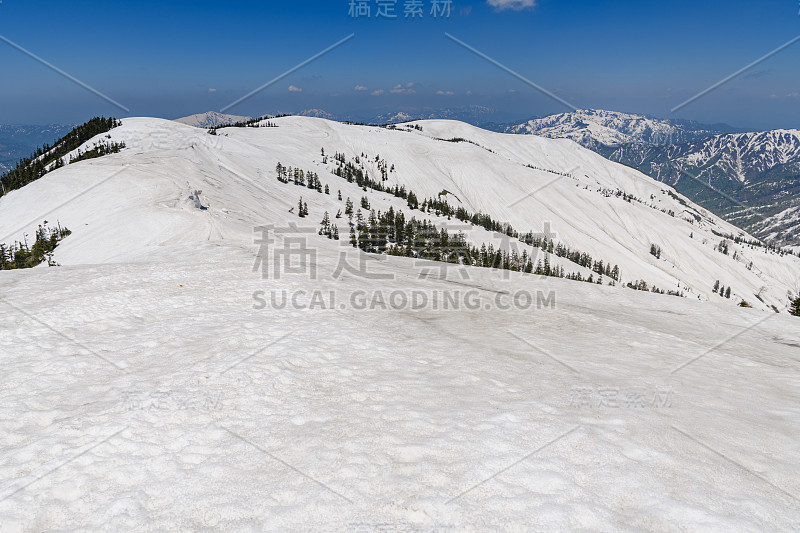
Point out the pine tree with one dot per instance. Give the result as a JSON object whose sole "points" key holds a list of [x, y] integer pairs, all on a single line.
{"points": [[795, 307], [300, 210], [336, 233], [716, 286], [326, 225], [327, 190], [728, 293], [353, 237], [340, 195], [348, 207]]}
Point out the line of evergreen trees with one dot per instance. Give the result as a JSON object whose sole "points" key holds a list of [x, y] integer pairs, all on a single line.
{"points": [[721, 290], [392, 233], [300, 177], [21, 255], [250, 123], [768, 247], [579, 258], [98, 150], [642, 286], [36, 166]]}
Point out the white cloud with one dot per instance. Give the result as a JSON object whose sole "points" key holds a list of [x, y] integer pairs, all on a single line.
{"points": [[404, 89], [212, 90], [516, 5], [378, 92], [360, 88], [793, 96], [445, 93], [294, 89]]}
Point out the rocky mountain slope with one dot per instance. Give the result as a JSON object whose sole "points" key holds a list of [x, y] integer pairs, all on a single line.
{"points": [[750, 179]]}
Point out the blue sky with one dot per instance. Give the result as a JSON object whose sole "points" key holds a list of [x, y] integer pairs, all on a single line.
{"points": [[176, 58]]}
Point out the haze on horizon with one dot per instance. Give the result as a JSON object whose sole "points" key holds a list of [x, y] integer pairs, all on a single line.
{"points": [[175, 59]]}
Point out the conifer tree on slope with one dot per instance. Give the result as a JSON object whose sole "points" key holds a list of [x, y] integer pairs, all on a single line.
{"points": [[795, 307]]}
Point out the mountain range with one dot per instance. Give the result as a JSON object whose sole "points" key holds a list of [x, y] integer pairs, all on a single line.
{"points": [[211, 119], [601, 208], [750, 178], [20, 141]]}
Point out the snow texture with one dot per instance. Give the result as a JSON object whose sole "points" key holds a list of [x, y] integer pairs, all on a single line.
{"points": [[145, 390]]}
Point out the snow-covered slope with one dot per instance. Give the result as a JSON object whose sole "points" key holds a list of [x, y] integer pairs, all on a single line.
{"points": [[152, 383], [535, 184], [226, 417], [210, 119]]}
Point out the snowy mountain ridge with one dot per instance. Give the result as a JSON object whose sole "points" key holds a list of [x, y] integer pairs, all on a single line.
{"points": [[591, 127], [211, 119], [752, 177], [610, 211], [760, 171], [741, 156]]}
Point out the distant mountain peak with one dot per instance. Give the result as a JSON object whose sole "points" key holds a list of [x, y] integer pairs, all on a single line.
{"points": [[211, 119], [593, 127], [318, 113]]}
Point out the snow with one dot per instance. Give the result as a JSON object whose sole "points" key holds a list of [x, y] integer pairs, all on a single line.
{"points": [[743, 155], [211, 119], [139, 197], [609, 128], [146, 389], [369, 420]]}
